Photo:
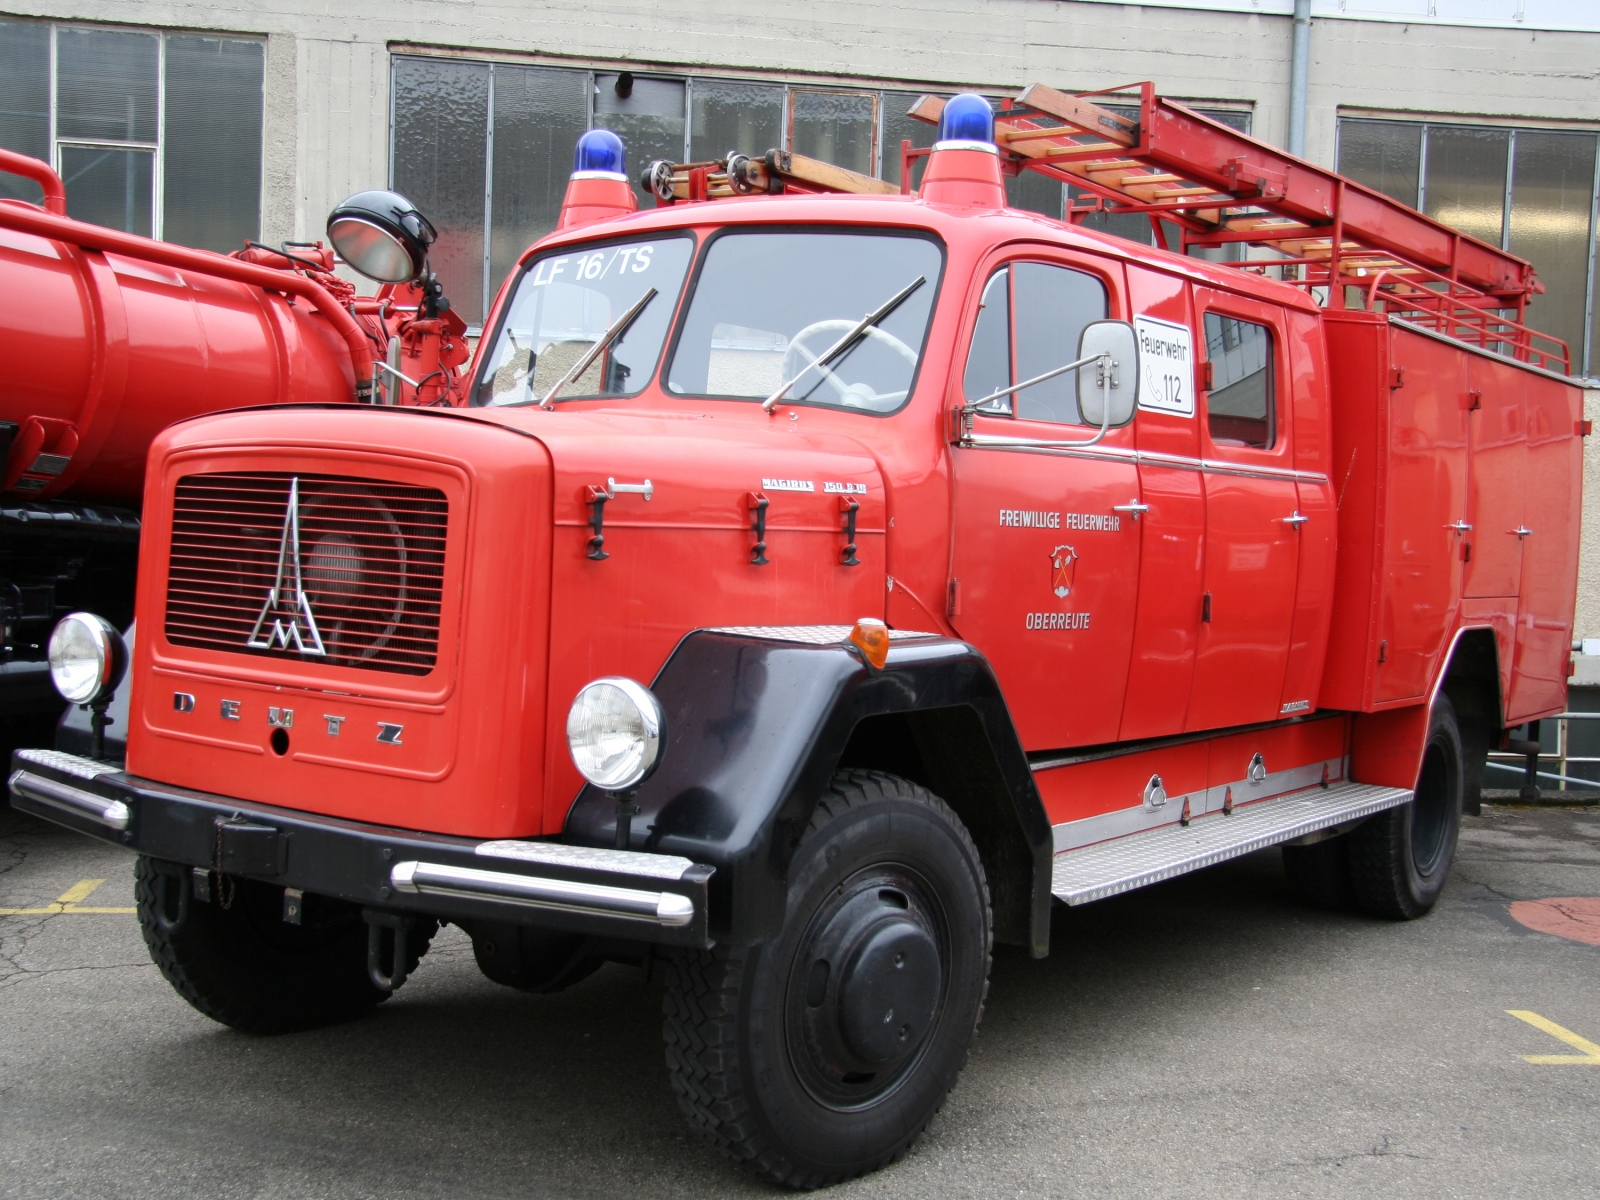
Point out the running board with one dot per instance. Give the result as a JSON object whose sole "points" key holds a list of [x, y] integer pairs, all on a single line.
{"points": [[1124, 863]]}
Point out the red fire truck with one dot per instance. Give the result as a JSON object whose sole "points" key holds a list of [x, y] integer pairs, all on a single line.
{"points": [[818, 583]]}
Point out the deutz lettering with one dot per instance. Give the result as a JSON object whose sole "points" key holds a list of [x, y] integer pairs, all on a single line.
{"points": [[1064, 620]]}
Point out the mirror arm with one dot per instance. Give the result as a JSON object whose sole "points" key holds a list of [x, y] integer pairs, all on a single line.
{"points": [[976, 405], [1107, 365]]}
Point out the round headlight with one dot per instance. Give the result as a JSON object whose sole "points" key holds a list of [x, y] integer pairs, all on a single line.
{"points": [[614, 729], [381, 234], [87, 658]]}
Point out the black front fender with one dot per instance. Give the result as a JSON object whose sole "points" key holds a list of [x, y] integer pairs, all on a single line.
{"points": [[756, 728]]}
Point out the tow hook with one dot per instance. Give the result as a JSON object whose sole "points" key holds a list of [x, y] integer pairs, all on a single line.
{"points": [[398, 925]]}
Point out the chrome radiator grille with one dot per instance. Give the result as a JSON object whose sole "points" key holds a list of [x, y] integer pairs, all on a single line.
{"points": [[316, 568]]}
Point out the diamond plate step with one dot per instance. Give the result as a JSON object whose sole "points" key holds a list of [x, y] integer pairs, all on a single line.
{"points": [[1124, 863]]}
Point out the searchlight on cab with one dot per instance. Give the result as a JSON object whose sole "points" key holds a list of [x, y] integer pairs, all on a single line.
{"points": [[964, 167], [598, 189]]}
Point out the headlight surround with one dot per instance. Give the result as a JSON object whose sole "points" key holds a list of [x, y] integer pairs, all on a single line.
{"points": [[87, 657], [615, 730]]}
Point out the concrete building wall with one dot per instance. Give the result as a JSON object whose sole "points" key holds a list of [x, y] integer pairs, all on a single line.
{"points": [[327, 66]]}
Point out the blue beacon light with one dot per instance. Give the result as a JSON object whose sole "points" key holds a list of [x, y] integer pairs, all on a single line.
{"points": [[600, 152], [967, 118]]}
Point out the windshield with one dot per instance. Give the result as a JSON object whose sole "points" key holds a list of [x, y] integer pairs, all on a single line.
{"points": [[768, 303], [565, 301]]}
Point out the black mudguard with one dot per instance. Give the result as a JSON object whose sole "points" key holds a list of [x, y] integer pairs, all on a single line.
{"points": [[755, 730]]}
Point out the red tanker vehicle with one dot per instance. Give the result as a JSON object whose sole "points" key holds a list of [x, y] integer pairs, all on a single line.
{"points": [[817, 584]]}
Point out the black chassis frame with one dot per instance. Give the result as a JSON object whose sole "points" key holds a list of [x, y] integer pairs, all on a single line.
{"points": [[756, 727]]}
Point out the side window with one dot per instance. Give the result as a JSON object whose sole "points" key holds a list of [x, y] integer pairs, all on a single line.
{"points": [[1242, 404], [989, 359], [1029, 324]]}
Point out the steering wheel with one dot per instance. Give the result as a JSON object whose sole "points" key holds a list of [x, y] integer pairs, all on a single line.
{"points": [[856, 395]]}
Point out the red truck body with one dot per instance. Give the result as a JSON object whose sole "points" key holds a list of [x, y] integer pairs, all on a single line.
{"points": [[1355, 611]]}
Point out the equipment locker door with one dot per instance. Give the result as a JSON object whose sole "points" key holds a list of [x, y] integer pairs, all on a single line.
{"points": [[1045, 560], [1497, 476], [1252, 515]]}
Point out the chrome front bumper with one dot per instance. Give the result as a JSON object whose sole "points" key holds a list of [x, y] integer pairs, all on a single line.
{"points": [[616, 893]]}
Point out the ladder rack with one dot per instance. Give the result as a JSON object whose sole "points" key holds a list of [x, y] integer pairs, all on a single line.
{"points": [[1346, 244]]}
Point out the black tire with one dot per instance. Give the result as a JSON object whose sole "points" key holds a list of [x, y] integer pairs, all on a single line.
{"points": [[1318, 875], [1399, 859], [772, 1061], [532, 960], [237, 960]]}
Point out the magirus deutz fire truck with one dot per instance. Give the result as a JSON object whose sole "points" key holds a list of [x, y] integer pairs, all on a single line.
{"points": [[812, 583]]}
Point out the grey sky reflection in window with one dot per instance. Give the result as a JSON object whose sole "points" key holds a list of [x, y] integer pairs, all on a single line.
{"points": [[767, 303]]}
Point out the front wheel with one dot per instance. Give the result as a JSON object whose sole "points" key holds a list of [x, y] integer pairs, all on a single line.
{"points": [[236, 960], [1399, 859], [823, 1054]]}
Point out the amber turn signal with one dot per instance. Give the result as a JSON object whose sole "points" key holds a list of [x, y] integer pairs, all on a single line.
{"points": [[871, 637]]}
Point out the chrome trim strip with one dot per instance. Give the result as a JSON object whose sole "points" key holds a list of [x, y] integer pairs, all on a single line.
{"points": [[1156, 458], [668, 909], [1141, 818], [113, 814]]}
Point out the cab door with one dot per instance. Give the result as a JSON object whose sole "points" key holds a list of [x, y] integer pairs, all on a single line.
{"points": [[1252, 516], [1045, 555]]}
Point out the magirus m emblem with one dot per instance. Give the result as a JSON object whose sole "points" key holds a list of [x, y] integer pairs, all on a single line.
{"points": [[288, 607]]}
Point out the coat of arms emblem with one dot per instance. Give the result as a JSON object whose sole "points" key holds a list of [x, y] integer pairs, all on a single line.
{"points": [[1063, 561]]}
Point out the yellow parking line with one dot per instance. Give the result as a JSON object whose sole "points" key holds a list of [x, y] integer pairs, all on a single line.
{"points": [[81, 890], [1591, 1052], [67, 902]]}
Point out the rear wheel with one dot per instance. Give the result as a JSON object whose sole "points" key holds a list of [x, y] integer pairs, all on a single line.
{"points": [[823, 1054], [1319, 874], [1399, 859], [236, 960]]}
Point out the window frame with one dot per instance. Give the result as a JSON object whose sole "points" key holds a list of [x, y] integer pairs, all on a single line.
{"points": [[1226, 304], [156, 148]]}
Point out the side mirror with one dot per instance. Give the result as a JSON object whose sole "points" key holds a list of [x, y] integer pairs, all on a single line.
{"points": [[1116, 339]]}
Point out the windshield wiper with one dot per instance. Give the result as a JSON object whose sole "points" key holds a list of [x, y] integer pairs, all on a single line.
{"points": [[596, 350], [833, 351]]}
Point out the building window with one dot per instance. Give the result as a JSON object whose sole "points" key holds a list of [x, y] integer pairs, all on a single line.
{"points": [[485, 148], [1530, 191], [157, 134]]}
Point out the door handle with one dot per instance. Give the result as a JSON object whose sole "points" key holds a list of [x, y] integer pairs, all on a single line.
{"points": [[1133, 506], [1521, 531], [1460, 527], [1295, 519]]}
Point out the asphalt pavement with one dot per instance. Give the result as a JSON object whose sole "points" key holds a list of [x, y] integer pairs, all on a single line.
{"points": [[1202, 1038]]}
